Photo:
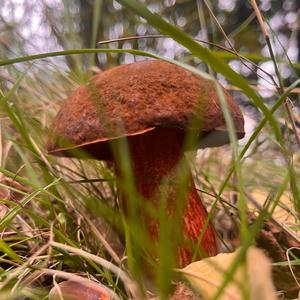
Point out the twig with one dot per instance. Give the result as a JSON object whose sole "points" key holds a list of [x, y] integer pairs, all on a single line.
{"points": [[290, 265], [203, 27], [130, 284], [200, 41], [280, 88], [260, 87], [102, 239], [230, 43]]}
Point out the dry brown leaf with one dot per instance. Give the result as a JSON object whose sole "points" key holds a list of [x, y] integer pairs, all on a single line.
{"points": [[281, 215], [207, 275]]}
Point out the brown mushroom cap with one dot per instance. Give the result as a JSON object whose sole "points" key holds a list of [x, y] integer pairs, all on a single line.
{"points": [[130, 100], [72, 290]]}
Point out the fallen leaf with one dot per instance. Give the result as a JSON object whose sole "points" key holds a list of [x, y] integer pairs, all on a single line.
{"points": [[206, 276]]}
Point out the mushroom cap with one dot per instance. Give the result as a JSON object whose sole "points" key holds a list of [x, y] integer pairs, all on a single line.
{"points": [[131, 100], [72, 290]]}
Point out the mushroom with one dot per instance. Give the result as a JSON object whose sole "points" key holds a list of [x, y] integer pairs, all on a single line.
{"points": [[72, 290], [152, 104]]}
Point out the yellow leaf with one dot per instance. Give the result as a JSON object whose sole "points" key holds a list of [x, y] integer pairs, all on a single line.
{"points": [[206, 276]]}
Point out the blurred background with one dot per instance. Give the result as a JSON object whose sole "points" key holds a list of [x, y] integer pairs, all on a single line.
{"points": [[32, 27], [228, 27]]}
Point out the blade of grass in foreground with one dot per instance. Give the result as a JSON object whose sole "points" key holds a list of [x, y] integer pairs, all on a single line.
{"points": [[258, 129], [9, 252], [236, 162]]}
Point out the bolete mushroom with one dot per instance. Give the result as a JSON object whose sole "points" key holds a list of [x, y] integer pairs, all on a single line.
{"points": [[72, 290], [152, 104]]}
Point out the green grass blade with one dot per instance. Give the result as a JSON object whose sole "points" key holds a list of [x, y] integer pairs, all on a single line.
{"points": [[9, 252], [13, 212]]}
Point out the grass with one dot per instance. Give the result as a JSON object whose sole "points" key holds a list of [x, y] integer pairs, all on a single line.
{"points": [[60, 216]]}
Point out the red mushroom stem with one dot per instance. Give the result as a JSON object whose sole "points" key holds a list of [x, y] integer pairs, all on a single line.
{"points": [[155, 157]]}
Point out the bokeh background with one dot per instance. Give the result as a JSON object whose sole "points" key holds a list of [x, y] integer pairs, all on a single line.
{"points": [[270, 167]]}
